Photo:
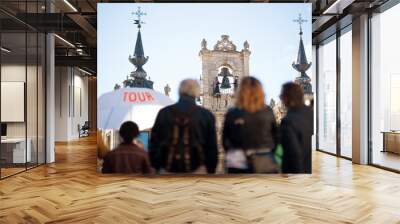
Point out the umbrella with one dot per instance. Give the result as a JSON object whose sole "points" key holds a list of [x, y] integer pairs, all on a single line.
{"points": [[140, 105]]}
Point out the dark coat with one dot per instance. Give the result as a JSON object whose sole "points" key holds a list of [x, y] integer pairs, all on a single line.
{"points": [[244, 130], [296, 134], [202, 131], [127, 158]]}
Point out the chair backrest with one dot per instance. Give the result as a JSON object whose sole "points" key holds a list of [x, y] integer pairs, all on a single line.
{"points": [[86, 124]]}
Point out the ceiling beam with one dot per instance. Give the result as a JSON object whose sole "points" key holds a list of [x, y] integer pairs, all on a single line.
{"points": [[338, 6], [86, 26], [81, 61]]}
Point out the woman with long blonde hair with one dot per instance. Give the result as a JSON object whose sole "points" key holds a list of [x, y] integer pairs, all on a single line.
{"points": [[250, 131]]}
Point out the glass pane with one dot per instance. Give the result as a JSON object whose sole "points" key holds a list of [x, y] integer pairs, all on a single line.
{"points": [[13, 86], [327, 97], [23, 90], [41, 98], [386, 89], [31, 97], [346, 94], [314, 89]]}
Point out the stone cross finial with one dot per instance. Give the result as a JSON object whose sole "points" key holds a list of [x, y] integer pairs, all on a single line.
{"points": [[139, 13], [300, 20]]}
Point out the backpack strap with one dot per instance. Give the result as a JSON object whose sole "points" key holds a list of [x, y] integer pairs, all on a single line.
{"points": [[181, 129], [186, 146], [172, 145]]}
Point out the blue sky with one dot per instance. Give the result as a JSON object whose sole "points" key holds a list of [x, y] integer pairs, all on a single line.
{"points": [[172, 35]]}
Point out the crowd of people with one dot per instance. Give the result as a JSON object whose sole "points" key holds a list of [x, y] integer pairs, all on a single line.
{"points": [[184, 139]]}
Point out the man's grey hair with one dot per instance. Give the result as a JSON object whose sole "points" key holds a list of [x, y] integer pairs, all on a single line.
{"points": [[189, 87]]}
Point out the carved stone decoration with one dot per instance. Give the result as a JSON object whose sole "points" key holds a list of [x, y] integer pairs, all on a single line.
{"points": [[278, 109], [246, 45], [204, 44], [167, 90], [222, 65], [216, 91], [236, 84], [117, 86], [225, 44]]}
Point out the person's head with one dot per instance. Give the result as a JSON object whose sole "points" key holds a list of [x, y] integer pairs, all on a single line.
{"points": [[128, 131], [250, 96], [190, 88], [292, 95]]}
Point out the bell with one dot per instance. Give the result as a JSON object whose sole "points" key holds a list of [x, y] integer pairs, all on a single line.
{"points": [[225, 83]]}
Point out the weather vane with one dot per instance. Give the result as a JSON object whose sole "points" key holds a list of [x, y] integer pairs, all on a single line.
{"points": [[300, 20], [139, 13]]}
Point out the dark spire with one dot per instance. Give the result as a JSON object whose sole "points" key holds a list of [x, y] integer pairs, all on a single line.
{"points": [[138, 58], [301, 55], [138, 77], [301, 65], [139, 52]]}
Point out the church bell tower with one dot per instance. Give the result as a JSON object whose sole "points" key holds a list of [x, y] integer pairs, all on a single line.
{"points": [[222, 68]]}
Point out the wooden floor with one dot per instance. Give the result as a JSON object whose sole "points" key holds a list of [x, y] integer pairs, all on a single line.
{"points": [[5, 172], [387, 159], [70, 191]]}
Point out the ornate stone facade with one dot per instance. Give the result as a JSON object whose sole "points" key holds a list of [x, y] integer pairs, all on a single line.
{"points": [[222, 68], [279, 110]]}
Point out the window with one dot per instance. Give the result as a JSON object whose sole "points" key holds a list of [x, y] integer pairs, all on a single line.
{"points": [[327, 96], [385, 89], [22, 76], [346, 94]]}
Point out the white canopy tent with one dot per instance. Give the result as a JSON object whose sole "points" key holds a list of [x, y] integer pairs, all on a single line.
{"points": [[139, 105]]}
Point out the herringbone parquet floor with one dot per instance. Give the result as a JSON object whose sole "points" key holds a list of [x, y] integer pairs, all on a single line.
{"points": [[71, 191]]}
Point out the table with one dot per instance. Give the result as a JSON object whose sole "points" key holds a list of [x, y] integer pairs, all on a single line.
{"points": [[391, 141], [13, 150]]}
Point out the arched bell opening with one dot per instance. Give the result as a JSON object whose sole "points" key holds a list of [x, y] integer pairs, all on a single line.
{"points": [[225, 83]]}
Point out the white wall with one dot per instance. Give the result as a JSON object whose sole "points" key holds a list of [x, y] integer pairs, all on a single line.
{"points": [[61, 103], [71, 102], [12, 73], [80, 110], [313, 75], [33, 127]]}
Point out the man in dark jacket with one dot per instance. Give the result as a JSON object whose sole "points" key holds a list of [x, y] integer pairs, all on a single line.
{"points": [[183, 138], [296, 131], [128, 157]]}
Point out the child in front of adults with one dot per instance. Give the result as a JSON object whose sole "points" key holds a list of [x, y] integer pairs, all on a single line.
{"points": [[129, 157]]}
